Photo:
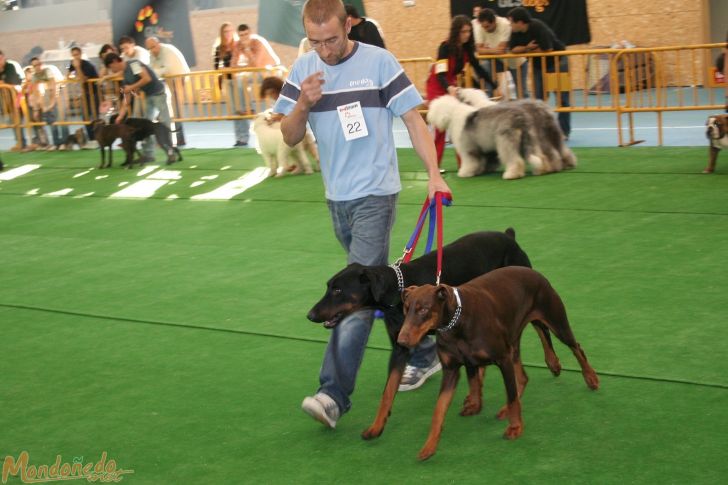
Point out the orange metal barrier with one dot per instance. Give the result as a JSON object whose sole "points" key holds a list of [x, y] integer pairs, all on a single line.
{"points": [[622, 81]]}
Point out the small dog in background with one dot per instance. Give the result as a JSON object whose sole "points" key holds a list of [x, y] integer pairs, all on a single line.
{"points": [[278, 156], [78, 137], [717, 133]]}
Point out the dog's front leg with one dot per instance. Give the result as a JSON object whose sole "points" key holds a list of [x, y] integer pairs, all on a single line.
{"points": [[450, 376], [474, 400], [513, 407], [713, 158], [397, 363]]}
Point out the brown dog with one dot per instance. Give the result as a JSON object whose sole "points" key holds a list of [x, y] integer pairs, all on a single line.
{"points": [[717, 133], [105, 135], [480, 323]]}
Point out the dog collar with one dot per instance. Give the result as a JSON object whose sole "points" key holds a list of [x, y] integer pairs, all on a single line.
{"points": [[400, 278], [456, 316]]}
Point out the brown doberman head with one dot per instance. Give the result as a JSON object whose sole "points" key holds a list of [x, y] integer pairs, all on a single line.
{"points": [[426, 308]]}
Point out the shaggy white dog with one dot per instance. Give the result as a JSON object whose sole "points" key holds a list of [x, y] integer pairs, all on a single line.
{"points": [[506, 130], [549, 139], [277, 155]]}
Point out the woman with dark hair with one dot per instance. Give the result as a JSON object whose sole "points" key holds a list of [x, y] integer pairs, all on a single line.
{"points": [[452, 56]]}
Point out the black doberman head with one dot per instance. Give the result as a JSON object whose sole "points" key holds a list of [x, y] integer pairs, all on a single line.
{"points": [[354, 288]]}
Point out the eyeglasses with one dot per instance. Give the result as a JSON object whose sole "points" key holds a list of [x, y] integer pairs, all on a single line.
{"points": [[318, 44]]}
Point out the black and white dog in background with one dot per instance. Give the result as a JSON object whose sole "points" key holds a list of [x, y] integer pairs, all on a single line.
{"points": [[475, 133], [549, 139]]}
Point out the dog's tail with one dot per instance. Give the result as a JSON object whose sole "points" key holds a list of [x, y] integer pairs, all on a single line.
{"points": [[511, 233]]}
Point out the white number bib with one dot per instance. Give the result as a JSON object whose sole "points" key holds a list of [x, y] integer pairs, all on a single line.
{"points": [[352, 121]]}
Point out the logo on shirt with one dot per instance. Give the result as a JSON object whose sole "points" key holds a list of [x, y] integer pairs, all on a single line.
{"points": [[362, 83]]}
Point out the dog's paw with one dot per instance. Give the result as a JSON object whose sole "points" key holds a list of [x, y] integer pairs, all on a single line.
{"points": [[471, 407], [426, 452], [371, 433], [513, 431]]}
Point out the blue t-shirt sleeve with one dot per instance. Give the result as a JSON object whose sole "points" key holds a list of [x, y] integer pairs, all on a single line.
{"points": [[398, 92], [289, 93]]}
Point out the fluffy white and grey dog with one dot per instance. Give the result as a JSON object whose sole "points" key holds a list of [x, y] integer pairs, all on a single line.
{"points": [[506, 130], [277, 155], [547, 135]]}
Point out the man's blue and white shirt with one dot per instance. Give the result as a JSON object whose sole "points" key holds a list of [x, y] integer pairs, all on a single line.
{"points": [[373, 77]]}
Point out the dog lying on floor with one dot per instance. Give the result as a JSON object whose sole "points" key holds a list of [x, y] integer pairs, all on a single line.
{"points": [[548, 138], [506, 130], [357, 287], [717, 133], [279, 157], [480, 323]]}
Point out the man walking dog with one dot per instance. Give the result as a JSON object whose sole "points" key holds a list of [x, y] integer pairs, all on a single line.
{"points": [[139, 76], [350, 92]]}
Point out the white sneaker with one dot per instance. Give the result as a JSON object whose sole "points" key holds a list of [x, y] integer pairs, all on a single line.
{"points": [[321, 408], [414, 377]]}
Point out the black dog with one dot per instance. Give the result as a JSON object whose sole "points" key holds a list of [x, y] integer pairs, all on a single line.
{"points": [[144, 128], [106, 135], [356, 287]]}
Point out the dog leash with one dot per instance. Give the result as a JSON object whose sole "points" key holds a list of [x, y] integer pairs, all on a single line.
{"points": [[434, 209]]}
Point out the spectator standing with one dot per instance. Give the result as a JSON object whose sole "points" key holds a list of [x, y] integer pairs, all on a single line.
{"points": [[166, 60], [44, 83], [137, 76], [452, 56], [83, 71], [359, 167], [362, 30], [11, 73], [492, 35], [131, 51], [531, 35], [39, 138], [226, 55], [255, 50]]}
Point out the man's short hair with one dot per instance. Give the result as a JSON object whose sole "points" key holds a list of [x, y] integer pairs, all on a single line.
{"points": [[351, 11], [519, 14], [243, 27], [34, 58], [320, 11], [125, 39], [110, 58], [76, 48], [2, 53], [486, 15]]}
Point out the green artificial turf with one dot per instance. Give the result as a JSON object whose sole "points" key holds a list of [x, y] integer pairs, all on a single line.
{"points": [[170, 332]]}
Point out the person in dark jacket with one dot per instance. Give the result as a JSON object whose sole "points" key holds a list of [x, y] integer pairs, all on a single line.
{"points": [[363, 30], [82, 70]]}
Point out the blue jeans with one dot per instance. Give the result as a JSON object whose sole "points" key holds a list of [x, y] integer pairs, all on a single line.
{"points": [[564, 118], [363, 228], [59, 133], [237, 103], [155, 105]]}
